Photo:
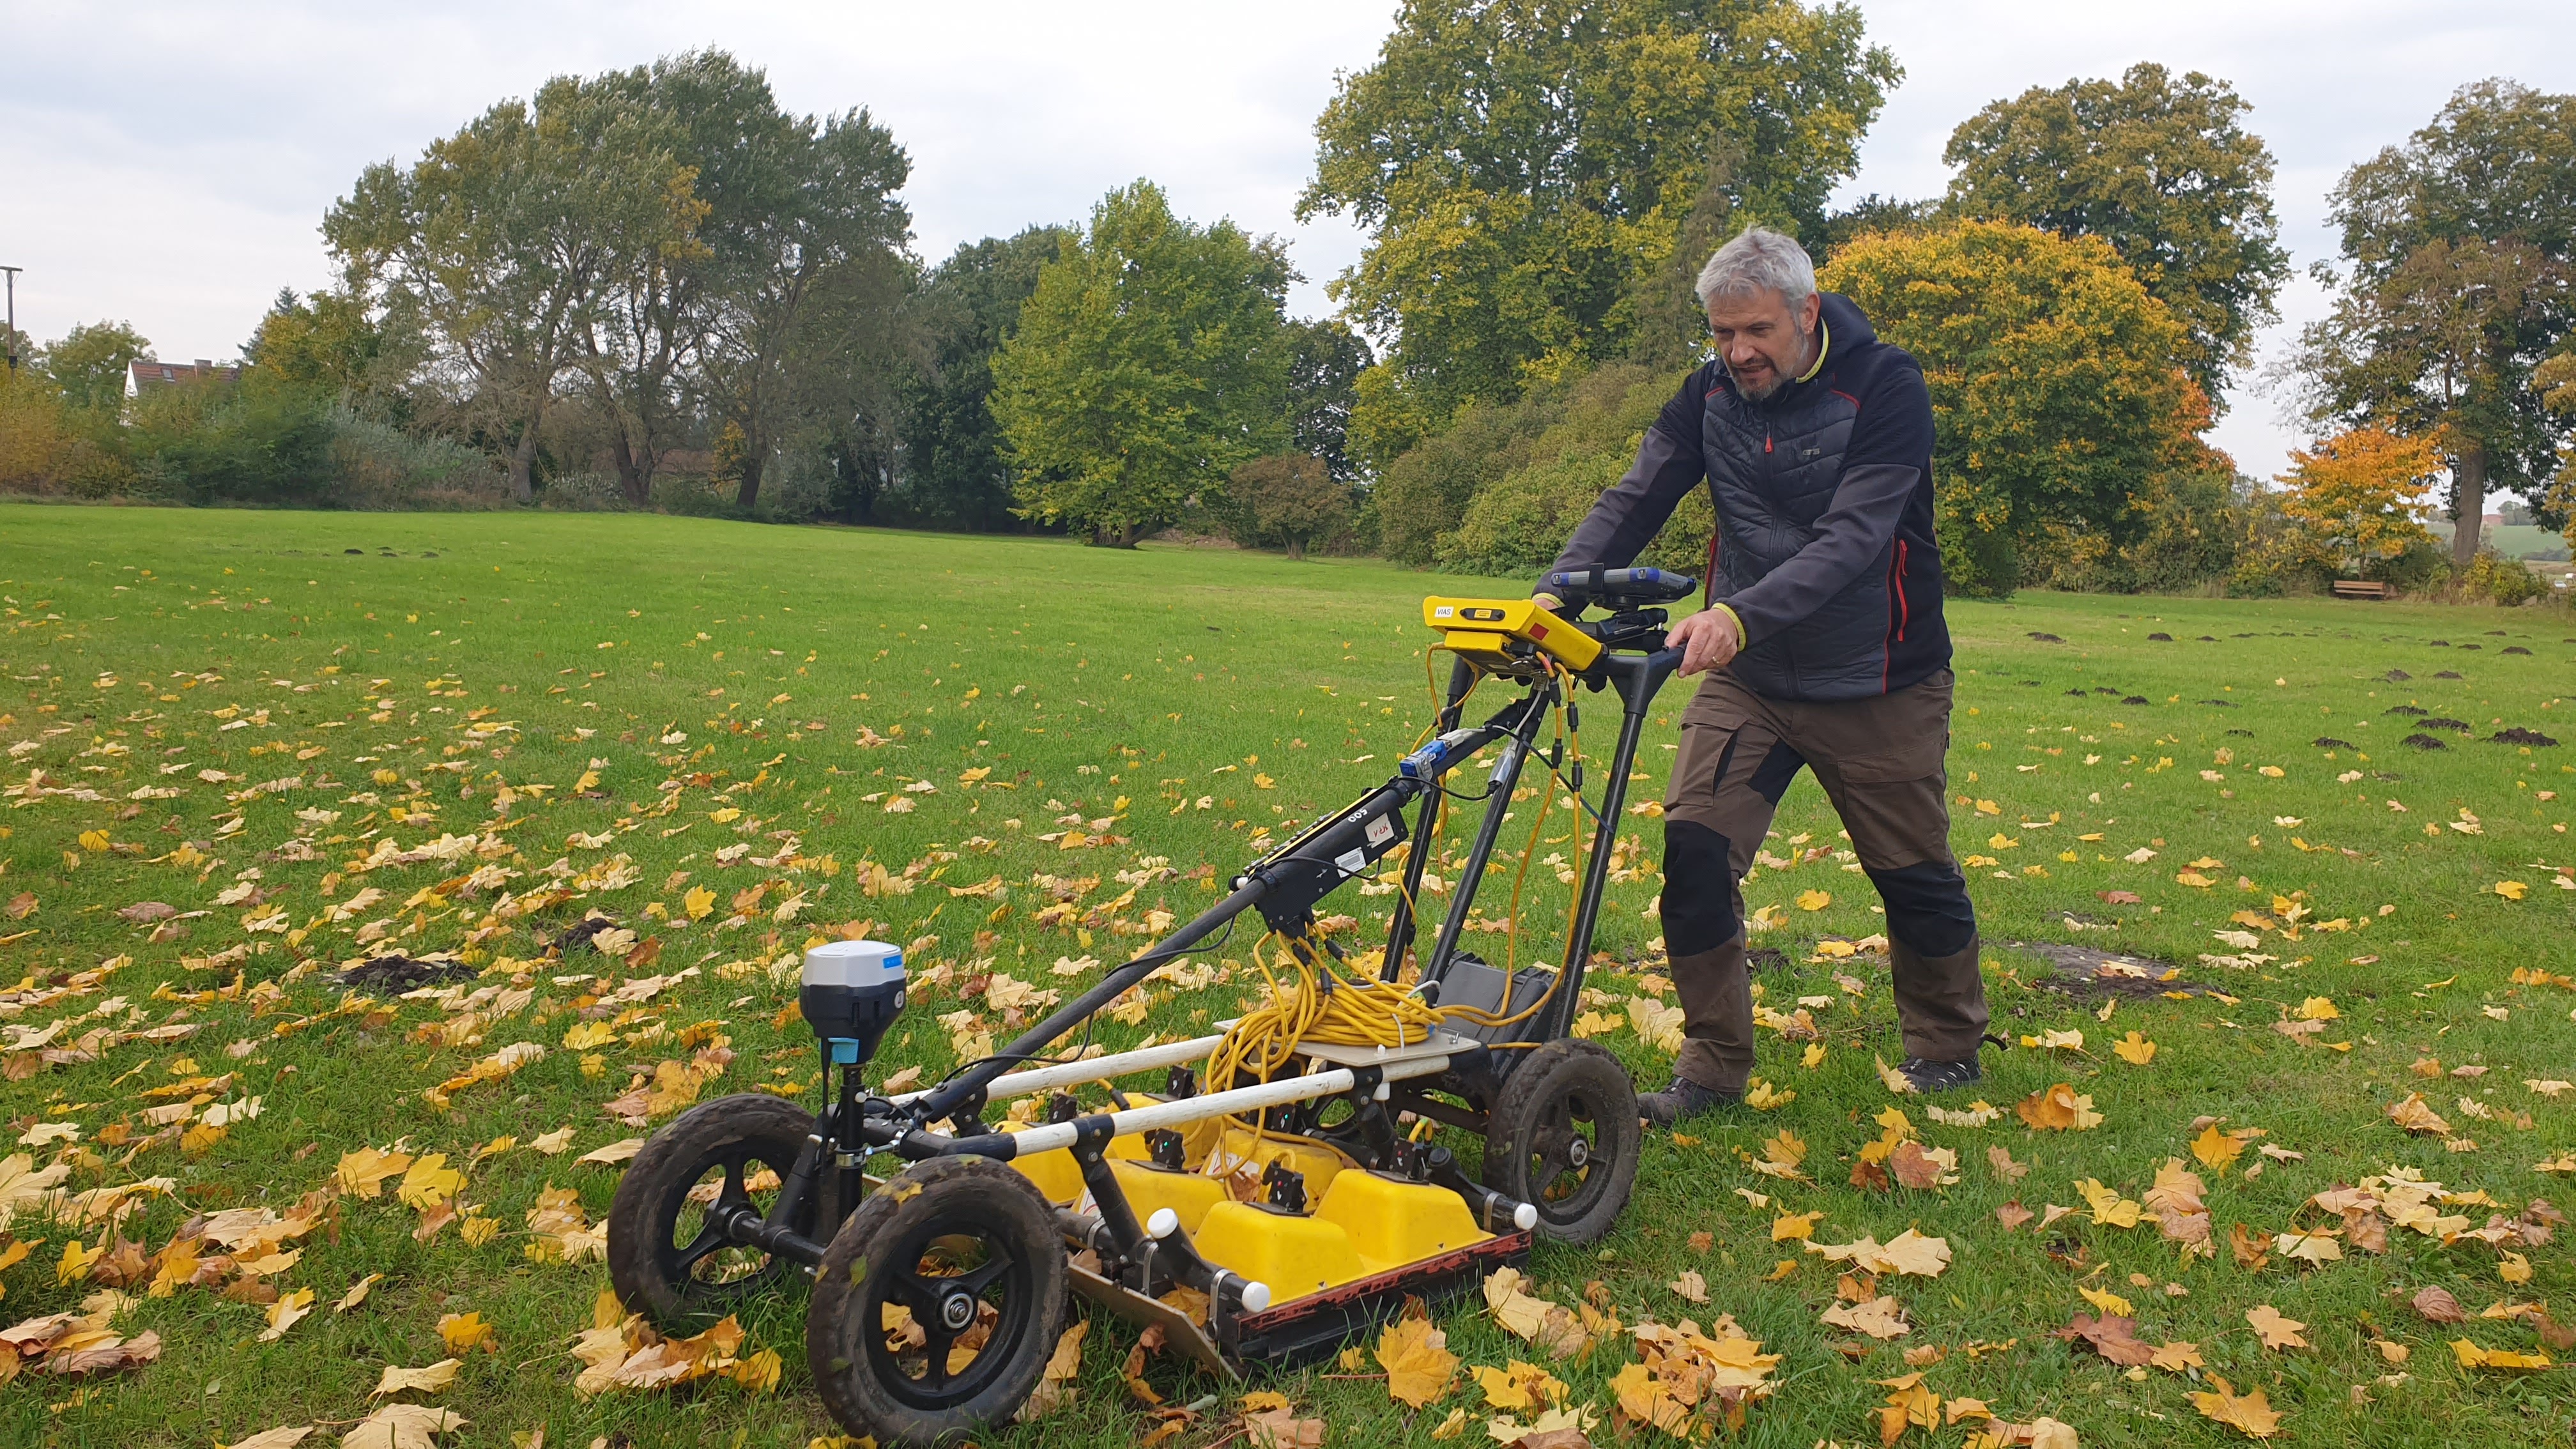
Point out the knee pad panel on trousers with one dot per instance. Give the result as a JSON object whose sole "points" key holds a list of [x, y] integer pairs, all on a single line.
{"points": [[1927, 906], [1699, 894]]}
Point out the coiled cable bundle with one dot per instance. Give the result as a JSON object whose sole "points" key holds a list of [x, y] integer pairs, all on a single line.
{"points": [[1314, 998]]}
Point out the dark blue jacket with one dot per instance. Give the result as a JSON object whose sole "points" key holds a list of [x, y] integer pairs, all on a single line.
{"points": [[1824, 543]]}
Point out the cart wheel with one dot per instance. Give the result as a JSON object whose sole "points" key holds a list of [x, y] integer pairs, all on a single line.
{"points": [[938, 1303], [1563, 1137], [665, 1256]]}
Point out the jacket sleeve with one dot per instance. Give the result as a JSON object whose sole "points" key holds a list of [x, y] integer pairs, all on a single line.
{"points": [[1631, 511], [1881, 470]]}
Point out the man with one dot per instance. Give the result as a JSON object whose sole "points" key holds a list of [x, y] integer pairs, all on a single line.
{"points": [[1824, 647]]}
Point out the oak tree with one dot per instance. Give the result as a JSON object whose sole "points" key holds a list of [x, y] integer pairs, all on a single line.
{"points": [[2457, 247], [2162, 168]]}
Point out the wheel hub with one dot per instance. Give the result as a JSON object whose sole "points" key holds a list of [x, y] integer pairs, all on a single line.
{"points": [[956, 1311], [1578, 1153]]}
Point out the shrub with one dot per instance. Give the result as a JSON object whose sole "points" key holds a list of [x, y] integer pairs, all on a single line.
{"points": [[376, 465], [1291, 495], [2501, 580]]}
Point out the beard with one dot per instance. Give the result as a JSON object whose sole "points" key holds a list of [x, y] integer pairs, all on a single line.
{"points": [[1756, 391]]}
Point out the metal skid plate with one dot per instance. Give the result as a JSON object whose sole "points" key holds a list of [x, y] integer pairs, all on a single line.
{"points": [[1302, 1330]]}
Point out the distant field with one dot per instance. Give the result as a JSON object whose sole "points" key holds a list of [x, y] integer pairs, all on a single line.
{"points": [[189, 694], [2515, 540]]}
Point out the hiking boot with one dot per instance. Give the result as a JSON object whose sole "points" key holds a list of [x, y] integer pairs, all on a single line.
{"points": [[1683, 1099], [1931, 1076]]}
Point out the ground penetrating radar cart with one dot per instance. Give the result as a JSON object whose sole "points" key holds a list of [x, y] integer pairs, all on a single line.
{"points": [[1260, 1208]]}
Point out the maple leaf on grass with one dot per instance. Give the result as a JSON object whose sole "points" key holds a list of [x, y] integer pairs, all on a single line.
{"points": [[1519, 1386], [1880, 1317], [430, 1379], [2414, 1116], [2275, 1330], [1282, 1429], [2112, 1336], [2471, 1356], [286, 1437], [2058, 1109], [2248, 1413], [1419, 1366], [402, 1426]]}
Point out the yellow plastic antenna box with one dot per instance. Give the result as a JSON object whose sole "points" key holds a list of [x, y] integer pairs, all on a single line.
{"points": [[1481, 631]]}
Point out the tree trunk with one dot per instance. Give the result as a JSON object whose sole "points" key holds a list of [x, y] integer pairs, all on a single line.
{"points": [[523, 461], [630, 480], [2468, 503], [1296, 548], [750, 491]]}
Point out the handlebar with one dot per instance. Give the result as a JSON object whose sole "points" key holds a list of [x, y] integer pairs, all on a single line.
{"points": [[1618, 589]]}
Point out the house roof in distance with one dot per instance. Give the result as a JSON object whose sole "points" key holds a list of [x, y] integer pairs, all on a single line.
{"points": [[146, 373]]}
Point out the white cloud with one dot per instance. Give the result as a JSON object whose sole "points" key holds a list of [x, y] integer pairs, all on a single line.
{"points": [[169, 163], [2331, 81]]}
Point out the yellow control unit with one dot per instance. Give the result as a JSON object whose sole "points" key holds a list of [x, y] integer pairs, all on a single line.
{"points": [[1484, 631]]}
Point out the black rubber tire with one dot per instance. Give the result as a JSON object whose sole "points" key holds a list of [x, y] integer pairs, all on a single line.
{"points": [[655, 1276], [1563, 1093], [875, 1261]]}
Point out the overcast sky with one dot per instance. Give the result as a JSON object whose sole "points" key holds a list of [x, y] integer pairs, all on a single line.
{"points": [[168, 163]]}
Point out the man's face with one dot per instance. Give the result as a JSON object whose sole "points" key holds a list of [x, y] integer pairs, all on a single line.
{"points": [[1763, 342]]}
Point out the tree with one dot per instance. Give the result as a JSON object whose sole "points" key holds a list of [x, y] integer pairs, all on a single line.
{"points": [[2361, 495], [2158, 167], [329, 343], [2458, 245], [817, 231], [91, 362], [2055, 388], [1292, 495], [964, 310], [1325, 360], [505, 243], [2436, 344], [1150, 361], [1525, 170]]}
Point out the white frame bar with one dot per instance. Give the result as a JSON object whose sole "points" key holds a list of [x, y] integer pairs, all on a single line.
{"points": [[1034, 1140], [1098, 1069]]}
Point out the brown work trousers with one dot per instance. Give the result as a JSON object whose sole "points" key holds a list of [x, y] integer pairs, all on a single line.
{"points": [[1881, 761]]}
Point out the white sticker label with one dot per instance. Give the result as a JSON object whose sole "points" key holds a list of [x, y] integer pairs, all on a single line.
{"points": [[1351, 861], [1442, 611], [1381, 829]]}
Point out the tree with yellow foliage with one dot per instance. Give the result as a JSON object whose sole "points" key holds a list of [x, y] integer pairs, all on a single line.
{"points": [[2360, 498], [2059, 389]]}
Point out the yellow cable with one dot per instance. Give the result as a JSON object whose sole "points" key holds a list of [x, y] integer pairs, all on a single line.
{"points": [[1310, 1000]]}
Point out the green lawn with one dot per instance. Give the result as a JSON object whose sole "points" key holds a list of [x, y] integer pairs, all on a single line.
{"points": [[352, 656]]}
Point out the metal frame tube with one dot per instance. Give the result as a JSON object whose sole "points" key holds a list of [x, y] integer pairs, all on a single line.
{"points": [[1644, 676], [1053, 1135], [1098, 1069]]}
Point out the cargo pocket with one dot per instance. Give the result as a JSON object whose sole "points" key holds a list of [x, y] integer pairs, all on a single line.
{"points": [[1710, 724]]}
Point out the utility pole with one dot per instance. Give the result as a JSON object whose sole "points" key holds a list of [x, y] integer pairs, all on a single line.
{"points": [[13, 317]]}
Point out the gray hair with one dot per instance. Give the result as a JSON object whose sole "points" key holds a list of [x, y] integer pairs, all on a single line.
{"points": [[1759, 261]]}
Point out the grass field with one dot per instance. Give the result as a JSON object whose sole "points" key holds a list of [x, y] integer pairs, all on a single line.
{"points": [[669, 707]]}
